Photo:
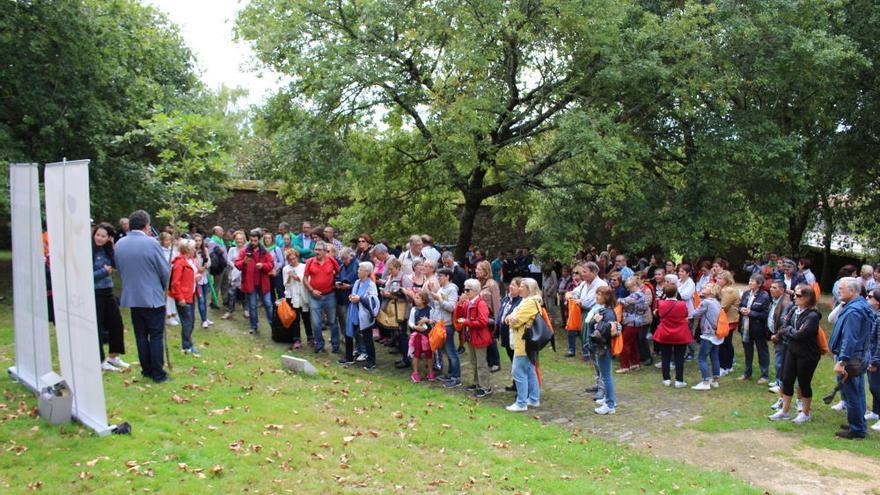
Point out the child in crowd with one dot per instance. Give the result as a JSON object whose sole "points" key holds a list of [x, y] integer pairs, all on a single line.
{"points": [[420, 324]]}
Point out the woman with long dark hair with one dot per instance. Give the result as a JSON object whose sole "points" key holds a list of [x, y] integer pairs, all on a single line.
{"points": [[110, 328]]}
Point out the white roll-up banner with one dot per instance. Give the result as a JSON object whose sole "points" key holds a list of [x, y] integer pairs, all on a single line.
{"points": [[73, 289], [33, 353]]}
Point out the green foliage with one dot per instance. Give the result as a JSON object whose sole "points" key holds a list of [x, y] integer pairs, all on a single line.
{"points": [[80, 76]]}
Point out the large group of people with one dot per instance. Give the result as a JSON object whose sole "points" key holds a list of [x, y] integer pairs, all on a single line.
{"points": [[432, 311]]}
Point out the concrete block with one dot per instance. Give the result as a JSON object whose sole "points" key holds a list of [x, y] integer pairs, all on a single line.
{"points": [[298, 365]]}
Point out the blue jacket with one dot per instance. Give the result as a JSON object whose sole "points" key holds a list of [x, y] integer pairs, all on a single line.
{"points": [[758, 318], [103, 280], [143, 269], [347, 275], [852, 330]]}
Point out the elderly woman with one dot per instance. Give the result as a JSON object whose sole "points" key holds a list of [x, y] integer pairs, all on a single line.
{"points": [[729, 299], [472, 314], [348, 273], [363, 306], [297, 296], [636, 314], [799, 328], [394, 287], [753, 309], [673, 334], [528, 391], [491, 293]]}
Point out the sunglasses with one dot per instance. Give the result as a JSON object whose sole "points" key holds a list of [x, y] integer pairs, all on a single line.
{"points": [[362, 240]]}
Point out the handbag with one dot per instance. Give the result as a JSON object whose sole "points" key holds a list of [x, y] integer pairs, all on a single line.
{"points": [[575, 316], [286, 313], [540, 333], [822, 341], [437, 336]]}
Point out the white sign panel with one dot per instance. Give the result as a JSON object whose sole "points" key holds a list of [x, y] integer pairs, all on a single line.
{"points": [[73, 289], [33, 354]]}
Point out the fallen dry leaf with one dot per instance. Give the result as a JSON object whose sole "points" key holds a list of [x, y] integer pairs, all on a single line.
{"points": [[179, 399]]}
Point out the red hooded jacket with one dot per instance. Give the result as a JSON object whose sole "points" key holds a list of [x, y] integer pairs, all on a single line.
{"points": [[476, 326], [251, 277]]}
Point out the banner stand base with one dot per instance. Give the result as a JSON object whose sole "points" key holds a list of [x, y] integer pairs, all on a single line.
{"points": [[13, 374]]}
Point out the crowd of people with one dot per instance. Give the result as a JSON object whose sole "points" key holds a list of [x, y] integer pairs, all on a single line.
{"points": [[431, 311]]}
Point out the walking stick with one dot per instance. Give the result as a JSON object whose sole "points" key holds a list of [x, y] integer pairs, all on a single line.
{"points": [[167, 354]]}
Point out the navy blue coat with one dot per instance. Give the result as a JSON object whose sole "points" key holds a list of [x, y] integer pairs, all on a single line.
{"points": [[758, 318]]}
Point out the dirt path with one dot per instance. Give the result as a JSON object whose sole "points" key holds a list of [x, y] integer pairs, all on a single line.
{"points": [[776, 462]]}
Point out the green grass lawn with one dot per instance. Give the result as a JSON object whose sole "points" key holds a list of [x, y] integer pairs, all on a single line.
{"points": [[233, 421]]}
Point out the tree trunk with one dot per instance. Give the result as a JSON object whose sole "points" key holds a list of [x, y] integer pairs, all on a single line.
{"points": [[828, 233], [797, 224], [472, 204]]}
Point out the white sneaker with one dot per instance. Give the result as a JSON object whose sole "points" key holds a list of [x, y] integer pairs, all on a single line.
{"points": [[247, 314], [173, 322], [777, 405], [871, 416], [515, 408], [205, 324], [774, 389], [109, 367], [700, 386], [779, 415], [876, 426], [667, 383], [118, 362], [361, 357], [658, 365], [209, 322], [601, 402], [680, 384], [534, 404], [801, 418], [714, 384], [604, 410], [840, 406], [622, 370], [723, 372]]}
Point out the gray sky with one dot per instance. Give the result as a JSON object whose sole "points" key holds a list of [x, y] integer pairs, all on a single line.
{"points": [[206, 27]]}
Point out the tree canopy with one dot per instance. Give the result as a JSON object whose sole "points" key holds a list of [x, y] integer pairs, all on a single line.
{"points": [[686, 126]]}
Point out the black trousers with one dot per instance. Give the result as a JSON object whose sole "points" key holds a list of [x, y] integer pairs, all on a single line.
{"points": [[110, 327], [669, 352], [798, 368], [149, 332]]}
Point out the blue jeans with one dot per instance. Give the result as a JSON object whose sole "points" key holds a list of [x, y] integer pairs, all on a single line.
{"points": [[779, 362], [202, 300], [854, 394], [186, 315], [604, 361], [254, 299], [526, 379], [451, 352], [572, 341], [707, 349], [149, 333], [317, 305]]}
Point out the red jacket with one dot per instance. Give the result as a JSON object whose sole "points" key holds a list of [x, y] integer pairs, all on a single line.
{"points": [[673, 327], [183, 276], [250, 275], [477, 325]]}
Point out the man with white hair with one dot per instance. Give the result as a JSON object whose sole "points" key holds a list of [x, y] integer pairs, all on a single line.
{"points": [[428, 249], [849, 342], [412, 254], [867, 279]]}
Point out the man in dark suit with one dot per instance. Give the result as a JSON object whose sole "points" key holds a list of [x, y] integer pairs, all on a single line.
{"points": [[754, 308], [779, 302]]}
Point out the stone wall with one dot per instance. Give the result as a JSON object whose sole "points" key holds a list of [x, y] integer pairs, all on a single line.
{"points": [[250, 207]]}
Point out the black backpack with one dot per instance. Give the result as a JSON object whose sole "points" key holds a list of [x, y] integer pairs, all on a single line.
{"points": [[218, 261]]}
